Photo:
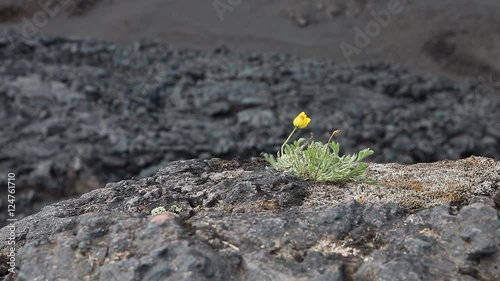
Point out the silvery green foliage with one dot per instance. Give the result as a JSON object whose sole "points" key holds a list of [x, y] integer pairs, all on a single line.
{"points": [[321, 162]]}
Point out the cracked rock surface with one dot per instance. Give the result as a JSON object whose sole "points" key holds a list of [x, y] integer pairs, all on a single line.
{"points": [[239, 220]]}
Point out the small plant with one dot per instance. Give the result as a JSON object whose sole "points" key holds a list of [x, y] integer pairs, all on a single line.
{"points": [[317, 161]]}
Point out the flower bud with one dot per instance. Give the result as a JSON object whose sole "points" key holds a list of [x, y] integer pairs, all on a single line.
{"points": [[301, 121]]}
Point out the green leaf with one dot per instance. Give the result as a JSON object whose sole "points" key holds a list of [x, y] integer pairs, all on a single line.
{"points": [[320, 162]]}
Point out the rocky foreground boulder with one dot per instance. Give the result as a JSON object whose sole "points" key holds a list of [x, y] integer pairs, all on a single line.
{"points": [[241, 220]]}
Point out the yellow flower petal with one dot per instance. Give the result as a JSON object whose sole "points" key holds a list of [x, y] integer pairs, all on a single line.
{"points": [[301, 121]]}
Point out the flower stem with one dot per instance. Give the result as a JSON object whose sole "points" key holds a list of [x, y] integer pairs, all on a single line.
{"points": [[283, 146], [336, 132]]}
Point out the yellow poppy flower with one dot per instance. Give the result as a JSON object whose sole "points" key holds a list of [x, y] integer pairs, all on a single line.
{"points": [[301, 121]]}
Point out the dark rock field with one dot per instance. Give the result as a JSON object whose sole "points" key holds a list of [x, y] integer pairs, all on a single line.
{"points": [[76, 116]]}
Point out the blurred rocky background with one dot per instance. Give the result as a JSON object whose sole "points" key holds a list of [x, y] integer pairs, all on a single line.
{"points": [[201, 79]]}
